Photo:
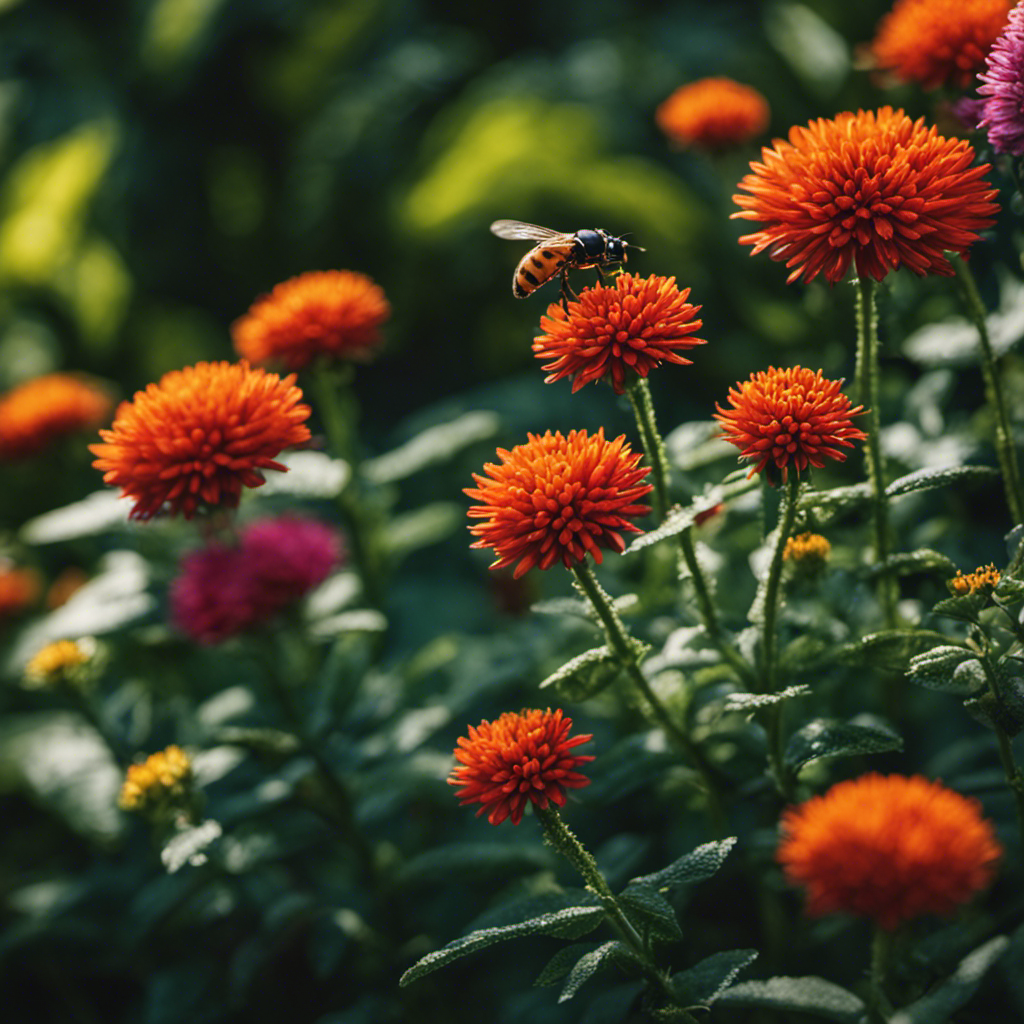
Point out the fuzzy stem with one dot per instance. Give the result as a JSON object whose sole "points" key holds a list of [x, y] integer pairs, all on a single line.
{"points": [[881, 961], [561, 837], [787, 516], [867, 382], [1014, 778], [1005, 448]]}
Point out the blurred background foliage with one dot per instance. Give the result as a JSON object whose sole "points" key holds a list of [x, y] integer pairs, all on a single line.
{"points": [[162, 163]]}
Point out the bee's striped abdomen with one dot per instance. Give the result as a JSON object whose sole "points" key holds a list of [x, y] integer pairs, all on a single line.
{"points": [[539, 265]]}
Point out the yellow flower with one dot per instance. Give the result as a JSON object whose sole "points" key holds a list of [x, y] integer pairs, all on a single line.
{"points": [[62, 663], [985, 577], [161, 782], [809, 551]]}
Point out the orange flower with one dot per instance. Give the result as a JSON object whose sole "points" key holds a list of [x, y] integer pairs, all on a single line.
{"points": [[200, 435], [556, 499], [938, 42], [335, 313], [713, 113], [46, 408], [985, 577], [784, 417], [613, 333], [889, 848], [518, 758], [19, 588], [875, 188]]}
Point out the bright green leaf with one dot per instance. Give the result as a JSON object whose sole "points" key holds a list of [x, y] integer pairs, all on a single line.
{"points": [[826, 738], [650, 912], [703, 983], [937, 669], [590, 963], [693, 867]]}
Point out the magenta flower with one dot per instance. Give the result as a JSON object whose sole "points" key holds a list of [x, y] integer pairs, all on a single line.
{"points": [[223, 590], [1002, 115]]}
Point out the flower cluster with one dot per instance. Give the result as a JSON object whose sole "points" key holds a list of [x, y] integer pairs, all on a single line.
{"points": [[889, 848], [332, 313], [519, 758], [808, 550], [618, 332], [1000, 111], [985, 577], [938, 42], [160, 783], [794, 417], [63, 663], [713, 113], [872, 188], [557, 499], [38, 412], [222, 590], [198, 436]]}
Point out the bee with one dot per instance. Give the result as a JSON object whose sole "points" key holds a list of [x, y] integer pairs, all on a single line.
{"points": [[559, 252]]}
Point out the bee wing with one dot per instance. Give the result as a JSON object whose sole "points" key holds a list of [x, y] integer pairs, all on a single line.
{"points": [[517, 229]]}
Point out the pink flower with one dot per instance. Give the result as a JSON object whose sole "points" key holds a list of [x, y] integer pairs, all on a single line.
{"points": [[223, 590]]}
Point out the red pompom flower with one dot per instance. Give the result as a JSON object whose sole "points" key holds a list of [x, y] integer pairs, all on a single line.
{"points": [[521, 757]]}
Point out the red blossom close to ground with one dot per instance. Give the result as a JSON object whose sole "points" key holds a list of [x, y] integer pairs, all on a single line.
{"points": [[872, 188], [518, 758], [938, 42], [889, 848], [618, 332], [789, 418], [713, 113], [556, 499], [334, 313], [200, 435]]}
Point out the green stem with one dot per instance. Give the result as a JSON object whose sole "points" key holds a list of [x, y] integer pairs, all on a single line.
{"points": [[769, 644], [561, 837], [1005, 449], [867, 383], [335, 406], [1014, 778], [624, 647], [881, 959]]}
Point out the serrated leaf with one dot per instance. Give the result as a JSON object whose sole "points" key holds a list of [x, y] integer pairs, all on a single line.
{"points": [[431, 446], [693, 867], [803, 652], [579, 914], [936, 669], [562, 963], [650, 912], [948, 996], [962, 606], [827, 738], [835, 499], [1009, 590], [756, 701], [703, 983], [892, 649], [809, 994], [473, 861], [906, 562], [590, 963], [587, 660], [928, 479]]}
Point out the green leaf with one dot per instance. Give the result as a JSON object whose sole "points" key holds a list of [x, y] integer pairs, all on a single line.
{"points": [[834, 500], [756, 701], [693, 867], [589, 964], [1009, 590], [696, 444], [571, 915], [422, 527], [562, 963], [472, 861], [928, 479], [826, 738], [703, 983], [962, 606], [948, 996], [189, 845], [310, 475], [811, 995], [431, 446], [938, 669], [892, 649], [559, 606], [586, 674], [907, 562], [1010, 672], [650, 912]]}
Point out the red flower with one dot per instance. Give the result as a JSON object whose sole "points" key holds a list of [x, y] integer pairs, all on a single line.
{"points": [[619, 332], [200, 435], [39, 411], [713, 113], [335, 313], [518, 758], [557, 498], [938, 42], [873, 188], [889, 848], [784, 417], [19, 588]]}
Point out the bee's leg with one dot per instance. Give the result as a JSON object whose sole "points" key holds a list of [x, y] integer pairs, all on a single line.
{"points": [[600, 276], [566, 292]]}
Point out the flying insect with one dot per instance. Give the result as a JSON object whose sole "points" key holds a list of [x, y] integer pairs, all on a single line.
{"points": [[558, 252]]}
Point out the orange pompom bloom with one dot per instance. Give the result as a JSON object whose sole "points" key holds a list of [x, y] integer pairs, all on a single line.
{"points": [[889, 848], [200, 435], [713, 113], [19, 588], [39, 411], [938, 42], [555, 498], [525, 756], [615, 332], [334, 313], [874, 188], [789, 417]]}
